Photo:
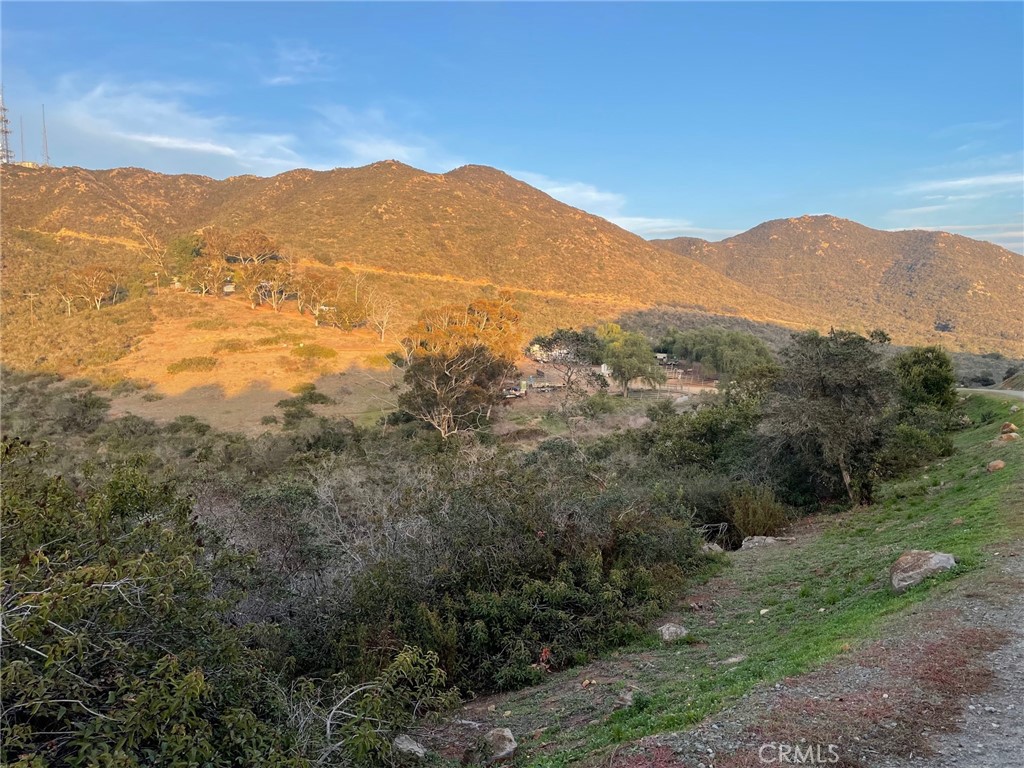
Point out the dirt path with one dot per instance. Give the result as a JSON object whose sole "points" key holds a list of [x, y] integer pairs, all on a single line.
{"points": [[943, 687]]}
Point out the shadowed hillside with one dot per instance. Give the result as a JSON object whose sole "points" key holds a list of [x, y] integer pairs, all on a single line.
{"points": [[918, 285]]}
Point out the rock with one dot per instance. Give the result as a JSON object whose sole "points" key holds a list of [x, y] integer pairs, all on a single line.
{"points": [[409, 746], [764, 611], [624, 699], [501, 745], [1008, 437], [1007, 428], [1014, 408], [671, 632], [995, 466], [915, 566], [759, 541], [711, 547]]}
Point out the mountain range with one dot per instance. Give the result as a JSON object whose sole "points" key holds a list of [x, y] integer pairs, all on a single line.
{"points": [[428, 238]]}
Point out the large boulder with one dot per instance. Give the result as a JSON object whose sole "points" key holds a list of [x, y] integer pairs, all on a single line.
{"points": [[500, 744], [995, 466], [915, 566], [407, 745], [1008, 437], [671, 632], [1008, 427]]}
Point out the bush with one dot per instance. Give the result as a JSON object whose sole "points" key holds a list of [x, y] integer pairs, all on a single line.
{"points": [[598, 404], [314, 352], [193, 364], [141, 669], [910, 447], [233, 345], [756, 512]]}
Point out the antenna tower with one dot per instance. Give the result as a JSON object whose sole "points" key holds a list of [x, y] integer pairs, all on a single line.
{"points": [[46, 148], [6, 156]]}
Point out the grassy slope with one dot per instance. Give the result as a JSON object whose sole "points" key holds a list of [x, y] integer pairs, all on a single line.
{"points": [[841, 565]]}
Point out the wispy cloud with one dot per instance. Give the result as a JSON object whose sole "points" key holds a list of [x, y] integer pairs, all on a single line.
{"points": [[1009, 235], [144, 121], [296, 61], [921, 209], [611, 205], [991, 182], [578, 194], [969, 129]]}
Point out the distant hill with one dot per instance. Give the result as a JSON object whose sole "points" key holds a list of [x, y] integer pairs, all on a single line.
{"points": [[918, 285]]}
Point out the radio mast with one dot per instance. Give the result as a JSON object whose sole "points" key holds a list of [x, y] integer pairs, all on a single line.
{"points": [[46, 148], [6, 156]]}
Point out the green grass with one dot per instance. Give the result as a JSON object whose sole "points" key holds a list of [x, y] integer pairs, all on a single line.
{"points": [[952, 506]]}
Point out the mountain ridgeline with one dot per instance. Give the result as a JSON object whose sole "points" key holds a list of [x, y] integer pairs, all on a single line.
{"points": [[918, 285], [431, 238]]}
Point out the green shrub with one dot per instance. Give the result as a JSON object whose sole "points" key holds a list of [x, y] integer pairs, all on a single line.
{"points": [[314, 352], [193, 364], [756, 512], [268, 420], [211, 324], [115, 650], [599, 403], [910, 447], [232, 345]]}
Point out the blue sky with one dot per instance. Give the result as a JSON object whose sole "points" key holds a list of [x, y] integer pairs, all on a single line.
{"points": [[667, 118]]}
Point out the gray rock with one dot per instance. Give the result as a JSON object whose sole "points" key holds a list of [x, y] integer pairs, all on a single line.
{"points": [[501, 745], [711, 547], [915, 566], [409, 746], [1014, 408], [758, 541], [671, 632]]}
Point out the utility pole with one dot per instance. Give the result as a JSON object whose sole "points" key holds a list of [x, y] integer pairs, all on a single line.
{"points": [[5, 132], [31, 304], [21, 120], [46, 148]]}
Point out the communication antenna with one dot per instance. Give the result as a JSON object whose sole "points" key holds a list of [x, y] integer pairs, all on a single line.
{"points": [[46, 148], [5, 132], [21, 120]]}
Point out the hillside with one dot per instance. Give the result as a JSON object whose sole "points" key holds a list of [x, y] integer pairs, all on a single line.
{"points": [[423, 239], [926, 286], [474, 224]]}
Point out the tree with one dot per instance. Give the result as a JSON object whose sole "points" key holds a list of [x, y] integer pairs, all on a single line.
{"points": [[630, 357], [251, 278], [253, 246], [573, 354], [925, 378], [99, 284], [379, 311], [458, 360], [730, 354], [831, 402], [278, 283], [454, 391], [180, 254]]}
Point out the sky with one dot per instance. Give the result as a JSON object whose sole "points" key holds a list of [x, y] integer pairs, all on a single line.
{"points": [[666, 118]]}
